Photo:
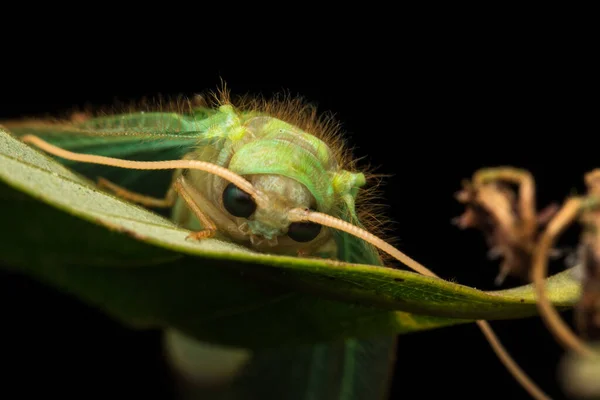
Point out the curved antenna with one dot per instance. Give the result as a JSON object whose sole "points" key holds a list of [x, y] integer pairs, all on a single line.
{"points": [[554, 322], [151, 165]]}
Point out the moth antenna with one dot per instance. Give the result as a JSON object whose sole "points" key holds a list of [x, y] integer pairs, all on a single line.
{"points": [[555, 323], [304, 215], [299, 215], [214, 169]]}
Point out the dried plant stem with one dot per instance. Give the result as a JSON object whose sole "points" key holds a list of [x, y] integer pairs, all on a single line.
{"points": [[550, 315]]}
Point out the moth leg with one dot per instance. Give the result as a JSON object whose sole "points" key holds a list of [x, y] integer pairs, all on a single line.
{"points": [[139, 198], [185, 191]]}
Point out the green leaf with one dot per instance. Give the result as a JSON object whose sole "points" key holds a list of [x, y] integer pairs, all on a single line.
{"points": [[137, 266]]}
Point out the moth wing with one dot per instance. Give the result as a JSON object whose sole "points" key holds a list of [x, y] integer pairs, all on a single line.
{"points": [[153, 136], [351, 248]]}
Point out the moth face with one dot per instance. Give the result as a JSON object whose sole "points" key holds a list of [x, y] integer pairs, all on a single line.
{"points": [[267, 223]]}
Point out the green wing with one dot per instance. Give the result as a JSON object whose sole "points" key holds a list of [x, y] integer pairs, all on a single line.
{"points": [[351, 248], [153, 136]]}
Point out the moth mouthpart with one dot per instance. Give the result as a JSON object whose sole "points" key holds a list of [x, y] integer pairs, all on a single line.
{"points": [[244, 228], [256, 240]]}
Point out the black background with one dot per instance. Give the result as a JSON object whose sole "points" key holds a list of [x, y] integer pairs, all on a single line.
{"points": [[428, 113]]}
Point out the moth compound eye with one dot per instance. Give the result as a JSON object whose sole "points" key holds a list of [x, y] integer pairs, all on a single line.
{"points": [[303, 231], [237, 202]]}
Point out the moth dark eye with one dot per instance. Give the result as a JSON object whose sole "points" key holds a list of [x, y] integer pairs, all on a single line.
{"points": [[303, 231], [237, 202]]}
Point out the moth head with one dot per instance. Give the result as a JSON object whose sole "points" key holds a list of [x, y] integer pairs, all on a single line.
{"points": [[266, 219]]}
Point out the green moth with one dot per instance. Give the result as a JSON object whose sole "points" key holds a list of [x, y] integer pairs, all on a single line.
{"points": [[271, 175]]}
